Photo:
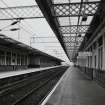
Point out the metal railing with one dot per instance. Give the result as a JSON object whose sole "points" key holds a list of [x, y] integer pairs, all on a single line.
{"points": [[94, 74]]}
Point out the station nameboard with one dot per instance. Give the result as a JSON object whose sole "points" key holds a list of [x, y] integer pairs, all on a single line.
{"points": [[84, 54]]}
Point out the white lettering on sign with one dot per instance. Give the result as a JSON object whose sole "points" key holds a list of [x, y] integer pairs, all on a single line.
{"points": [[84, 54]]}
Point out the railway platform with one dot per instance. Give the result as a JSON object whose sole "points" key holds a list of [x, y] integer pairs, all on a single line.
{"points": [[29, 89], [24, 71], [76, 89]]}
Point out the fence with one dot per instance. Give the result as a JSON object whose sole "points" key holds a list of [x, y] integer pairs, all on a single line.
{"points": [[93, 73]]}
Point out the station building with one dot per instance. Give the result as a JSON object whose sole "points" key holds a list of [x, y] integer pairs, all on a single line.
{"points": [[16, 55], [95, 44]]}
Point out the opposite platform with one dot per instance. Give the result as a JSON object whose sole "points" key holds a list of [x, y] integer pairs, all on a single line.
{"points": [[25, 71], [76, 89]]}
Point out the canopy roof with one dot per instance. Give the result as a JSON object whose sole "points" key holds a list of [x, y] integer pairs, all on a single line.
{"points": [[71, 20]]}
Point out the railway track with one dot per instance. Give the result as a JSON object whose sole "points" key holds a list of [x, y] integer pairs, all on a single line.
{"points": [[32, 90], [18, 84]]}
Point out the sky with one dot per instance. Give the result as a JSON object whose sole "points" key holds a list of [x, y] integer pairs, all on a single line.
{"points": [[44, 38]]}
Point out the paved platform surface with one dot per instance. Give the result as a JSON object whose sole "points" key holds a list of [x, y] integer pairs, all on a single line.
{"points": [[19, 72], [76, 89]]}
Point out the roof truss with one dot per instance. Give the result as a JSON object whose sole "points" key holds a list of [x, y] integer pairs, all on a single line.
{"points": [[20, 12], [67, 17], [72, 9]]}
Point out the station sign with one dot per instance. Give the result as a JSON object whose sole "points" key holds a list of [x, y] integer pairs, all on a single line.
{"points": [[84, 54]]}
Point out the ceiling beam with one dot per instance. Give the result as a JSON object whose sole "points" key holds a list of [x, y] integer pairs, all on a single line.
{"points": [[72, 9], [20, 12], [45, 6]]}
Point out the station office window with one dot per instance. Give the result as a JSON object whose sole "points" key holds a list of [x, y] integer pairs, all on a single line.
{"points": [[8, 58], [95, 61], [26, 59], [88, 59], [94, 45], [13, 58], [2, 58], [91, 57], [18, 59], [22, 59], [95, 55], [100, 53]]}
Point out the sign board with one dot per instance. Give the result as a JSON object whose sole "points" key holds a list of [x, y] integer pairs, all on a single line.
{"points": [[81, 57], [84, 54]]}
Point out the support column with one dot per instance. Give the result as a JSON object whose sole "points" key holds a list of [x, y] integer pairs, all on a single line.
{"points": [[11, 57], [27, 60], [20, 60], [5, 54], [96, 52], [103, 67], [16, 59]]}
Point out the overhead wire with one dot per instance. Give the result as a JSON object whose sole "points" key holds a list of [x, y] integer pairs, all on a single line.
{"points": [[16, 15]]}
